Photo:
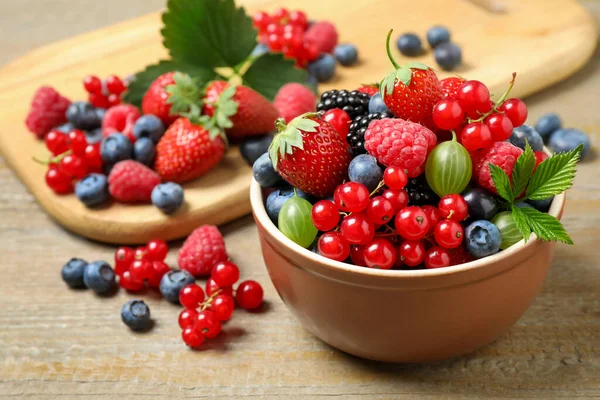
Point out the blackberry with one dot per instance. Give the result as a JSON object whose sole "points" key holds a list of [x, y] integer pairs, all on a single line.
{"points": [[420, 193], [358, 127], [353, 103]]}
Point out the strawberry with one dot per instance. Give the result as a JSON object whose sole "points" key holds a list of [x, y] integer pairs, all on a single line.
{"points": [[369, 89], [451, 85], [310, 155], [411, 91], [187, 151], [155, 100]]}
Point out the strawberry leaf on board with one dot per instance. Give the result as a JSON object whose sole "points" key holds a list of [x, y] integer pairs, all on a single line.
{"points": [[545, 226], [522, 171], [269, 72], [208, 33], [554, 175], [521, 222], [501, 182]]}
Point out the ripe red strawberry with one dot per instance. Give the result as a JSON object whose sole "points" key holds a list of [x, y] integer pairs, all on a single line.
{"points": [[369, 89], [411, 91], [155, 99], [130, 181], [248, 112], [187, 151], [451, 85], [47, 111], [310, 155], [202, 250]]}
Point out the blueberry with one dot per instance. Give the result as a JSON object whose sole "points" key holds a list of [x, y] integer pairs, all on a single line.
{"points": [[83, 116], [99, 277], [143, 151], [526, 132], [481, 203], [376, 104], [167, 197], [364, 169], [136, 315], [265, 174], [568, 139], [100, 113], [72, 272], [149, 126], [92, 190], [65, 128], [409, 44], [547, 125], [94, 136], [323, 68], [482, 239], [541, 205], [437, 35], [255, 146], [259, 50], [114, 148], [278, 197], [172, 283], [346, 54], [448, 56], [312, 82]]}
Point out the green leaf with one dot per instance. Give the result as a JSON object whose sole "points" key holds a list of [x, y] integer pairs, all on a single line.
{"points": [[554, 175], [501, 182], [208, 33], [522, 171], [404, 75], [416, 65], [521, 222], [224, 108], [545, 226], [269, 72]]}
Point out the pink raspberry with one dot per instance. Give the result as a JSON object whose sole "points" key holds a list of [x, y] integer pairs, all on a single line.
{"points": [[202, 250], [48, 109], [405, 144], [322, 35], [130, 181], [501, 154], [120, 118], [294, 99]]}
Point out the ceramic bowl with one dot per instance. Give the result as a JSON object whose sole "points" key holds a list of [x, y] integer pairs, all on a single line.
{"points": [[404, 316]]}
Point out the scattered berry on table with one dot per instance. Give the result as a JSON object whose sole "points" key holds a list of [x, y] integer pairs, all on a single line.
{"points": [[420, 193], [202, 249], [222, 307], [448, 56], [212, 288], [187, 318], [124, 256], [92, 190], [144, 152], [159, 269], [136, 315], [265, 174], [129, 181], [339, 120], [481, 203], [167, 197], [249, 295], [450, 86], [99, 277], [323, 68], [140, 270], [83, 116], [172, 283], [225, 274], [47, 111], [294, 99], [156, 250], [346, 54], [524, 134], [358, 127], [121, 119], [148, 126], [365, 170], [437, 35], [482, 238], [58, 181], [376, 104], [547, 125], [277, 199], [501, 154], [323, 35], [207, 324], [192, 337], [191, 296], [409, 44], [568, 139], [354, 103], [253, 147], [115, 148], [155, 100], [72, 272]]}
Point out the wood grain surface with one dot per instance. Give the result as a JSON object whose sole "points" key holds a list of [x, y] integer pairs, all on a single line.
{"points": [[58, 343], [492, 46]]}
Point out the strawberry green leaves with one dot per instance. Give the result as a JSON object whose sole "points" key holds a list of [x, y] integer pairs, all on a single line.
{"points": [[269, 72], [224, 108], [290, 136], [185, 96]]}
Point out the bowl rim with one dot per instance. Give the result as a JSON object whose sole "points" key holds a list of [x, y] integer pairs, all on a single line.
{"points": [[260, 213]]}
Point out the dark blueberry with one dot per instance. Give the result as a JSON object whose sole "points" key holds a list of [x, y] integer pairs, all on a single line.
{"points": [[482, 239], [541, 205], [364, 169], [83, 116], [65, 128], [254, 147], [172, 283], [136, 315], [547, 125], [353, 103], [94, 136], [99, 277], [278, 197], [526, 133], [568, 139], [323, 68], [409, 44], [346, 54], [72, 272], [143, 151], [437, 35], [259, 50], [167, 197], [419, 192], [114, 148], [100, 113], [92, 190], [448, 56], [481, 203], [265, 174], [149, 126], [376, 104]]}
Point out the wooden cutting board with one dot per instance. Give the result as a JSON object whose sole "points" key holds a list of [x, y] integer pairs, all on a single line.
{"points": [[543, 44]]}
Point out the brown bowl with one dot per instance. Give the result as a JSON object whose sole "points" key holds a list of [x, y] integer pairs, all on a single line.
{"points": [[404, 316]]}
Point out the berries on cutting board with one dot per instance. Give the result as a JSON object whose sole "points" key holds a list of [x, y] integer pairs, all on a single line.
{"points": [[144, 152], [294, 99], [149, 126], [365, 170], [136, 315], [83, 116], [99, 277], [409, 44], [155, 100], [130, 182], [547, 125], [524, 134], [253, 147], [437, 35], [323, 35], [202, 249], [264, 172], [482, 239], [346, 54], [167, 197], [448, 56], [47, 111], [323, 68], [172, 283], [277, 198], [92, 190], [121, 119], [72, 273], [115, 148]]}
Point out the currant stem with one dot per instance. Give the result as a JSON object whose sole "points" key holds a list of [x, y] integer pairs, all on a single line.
{"points": [[389, 52], [379, 186], [206, 303], [499, 102], [453, 135], [53, 160]]}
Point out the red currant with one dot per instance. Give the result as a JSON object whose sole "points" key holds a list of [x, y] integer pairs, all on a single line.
{"points": [[191, 296], [380, 254], [380, 210], [332, 245], [433, 215], [473, 97], [249, 295], [77, 141], [207, 324], [311, 52], [292, 41], [453, 206], [281, 15], [357, 229], [437, 257], [115, 85], [92, 84], [298, 18], [412, 223], [159, 269], [339, 120], [275, 42], [398, 198], [448, 234], [447, 114], [113, 100], [127, 282], [476, 136], [222, 307], [412, 252], [92, 155], [187, 317], [192, 337], [140, 253], [58, 181], [261, 20], [124, 256], [225, 274], [325, 215], [539, 157], [157, 250], [98, 100], [140, 270], [56, 142], [274, 28], [395, 178], [351, 197], [211, 287], [500, 126], [357, 255], [515, 110], [74, 165]]}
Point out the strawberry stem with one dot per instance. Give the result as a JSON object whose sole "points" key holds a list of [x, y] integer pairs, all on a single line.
{"points": [[389, 52], [280, 124]]}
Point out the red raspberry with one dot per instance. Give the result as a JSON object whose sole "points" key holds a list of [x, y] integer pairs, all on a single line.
{"points": [[501, 154], [404, 144], [202, 250], [450, 86], [369, 89], [294, 99], [323, 35], [47, 111], [120, 118], [130, 181]]}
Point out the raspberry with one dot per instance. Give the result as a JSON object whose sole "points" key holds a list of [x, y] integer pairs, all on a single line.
{"points": [[450, 86], [323, 35], [129, 181], [202, 250], [369, 89], [358, 127], [400, 143], [294, 99], [120, 118], [501, 154], [47, 111]]}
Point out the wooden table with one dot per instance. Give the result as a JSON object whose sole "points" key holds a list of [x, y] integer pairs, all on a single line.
{"points": [[60, 343]]}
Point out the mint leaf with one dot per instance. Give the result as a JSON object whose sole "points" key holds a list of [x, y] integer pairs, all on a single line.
{"points": [[522, 171], [208, 33], [554, 175], [269, 72], [501, 182], [521, 222], [545, 226]]}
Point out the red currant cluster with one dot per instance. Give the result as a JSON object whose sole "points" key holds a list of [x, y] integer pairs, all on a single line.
{"points": [[202, 318], [145, 264], [283, 31], [73, 158], [380, 230], [479, 121], [104, 94]]}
